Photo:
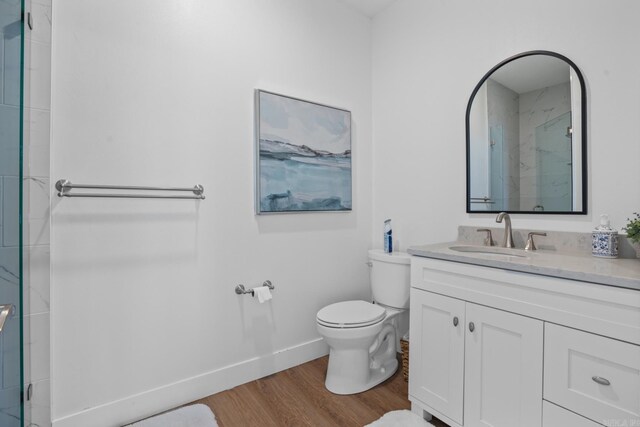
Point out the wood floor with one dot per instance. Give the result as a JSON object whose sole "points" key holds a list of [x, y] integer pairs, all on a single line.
{"points": [[297, 397]]}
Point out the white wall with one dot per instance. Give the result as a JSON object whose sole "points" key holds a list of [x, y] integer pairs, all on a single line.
{"points": [[428, 55], [144, 314]]}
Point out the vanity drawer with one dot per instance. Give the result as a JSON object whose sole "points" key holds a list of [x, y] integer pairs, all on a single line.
{"points": [[555, 416], [591, 375]]}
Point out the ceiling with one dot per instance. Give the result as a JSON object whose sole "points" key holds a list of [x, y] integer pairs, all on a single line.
{"points": [[369, 7], [532, 73]]}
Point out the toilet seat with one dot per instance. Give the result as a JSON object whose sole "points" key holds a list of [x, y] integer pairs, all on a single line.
{"points": [[351, 314]]}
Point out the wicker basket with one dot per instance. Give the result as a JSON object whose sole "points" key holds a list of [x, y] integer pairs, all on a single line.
{"points": [[404, 345]]}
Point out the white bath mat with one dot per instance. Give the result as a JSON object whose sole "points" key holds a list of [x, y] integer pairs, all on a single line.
{"points": [[402, 418], [189, 416]]}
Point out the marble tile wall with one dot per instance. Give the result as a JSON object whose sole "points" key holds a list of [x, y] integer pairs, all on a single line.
{"points": [[36, 211], [536, 108]]}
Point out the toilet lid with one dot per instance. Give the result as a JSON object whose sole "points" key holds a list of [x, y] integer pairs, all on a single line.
{"points": [[350, 314]]}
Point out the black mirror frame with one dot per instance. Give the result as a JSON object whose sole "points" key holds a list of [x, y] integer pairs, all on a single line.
{"points": [[583, 95]]}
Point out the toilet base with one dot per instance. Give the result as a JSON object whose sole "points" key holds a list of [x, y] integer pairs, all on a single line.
{"points": [[361, 357], [344, 382]]}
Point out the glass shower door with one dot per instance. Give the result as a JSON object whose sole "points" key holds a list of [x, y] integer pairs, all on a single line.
{"points": [[553, 160], [11, 89]]}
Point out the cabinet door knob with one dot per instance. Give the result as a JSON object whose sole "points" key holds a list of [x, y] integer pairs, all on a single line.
{"points": [[600, 380], [455, 321], [472, 327]]}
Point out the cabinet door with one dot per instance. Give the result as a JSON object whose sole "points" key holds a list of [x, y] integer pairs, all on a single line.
{"points": [[436, 352], [503, 369]]}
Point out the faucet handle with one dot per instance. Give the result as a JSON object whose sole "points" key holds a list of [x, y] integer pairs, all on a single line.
{"points": [[531, 246], [488, 240]]}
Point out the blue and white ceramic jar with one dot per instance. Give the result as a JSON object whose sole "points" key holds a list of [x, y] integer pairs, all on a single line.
{"points": [[604, 241]]}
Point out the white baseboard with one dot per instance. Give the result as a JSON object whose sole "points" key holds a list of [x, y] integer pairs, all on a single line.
{"points": [[142, 405]]}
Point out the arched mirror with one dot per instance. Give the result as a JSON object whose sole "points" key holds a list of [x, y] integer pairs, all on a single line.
{"points": [[526, 137]]}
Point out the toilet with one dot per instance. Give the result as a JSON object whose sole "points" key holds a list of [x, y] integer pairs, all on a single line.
{"points": [[363, 337]]}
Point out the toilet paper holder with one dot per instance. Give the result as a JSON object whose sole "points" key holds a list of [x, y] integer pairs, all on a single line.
{"points": [[241, 290]]}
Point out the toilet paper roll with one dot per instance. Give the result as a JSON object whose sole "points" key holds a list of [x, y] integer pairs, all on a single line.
{"points": [[263, 293]]}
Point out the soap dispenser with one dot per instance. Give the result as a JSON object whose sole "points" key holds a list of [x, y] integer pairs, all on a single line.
{"points": [[604, 239]]}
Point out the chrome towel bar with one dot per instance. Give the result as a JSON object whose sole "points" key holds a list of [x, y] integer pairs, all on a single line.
{"points": [[64, 187], [484, 199], [241, 290]]}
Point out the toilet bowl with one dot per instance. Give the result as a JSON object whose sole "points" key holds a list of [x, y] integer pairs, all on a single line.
{"points": [[363, 336]]}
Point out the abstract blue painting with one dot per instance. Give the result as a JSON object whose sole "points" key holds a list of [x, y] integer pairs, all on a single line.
{"points": [[303, 155]]}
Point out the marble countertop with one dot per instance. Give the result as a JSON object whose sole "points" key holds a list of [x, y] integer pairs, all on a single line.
{"points": [[620, 272]]}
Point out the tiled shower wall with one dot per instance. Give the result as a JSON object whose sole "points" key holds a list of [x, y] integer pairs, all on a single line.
{"points": [[36, 211], [536, 108]]}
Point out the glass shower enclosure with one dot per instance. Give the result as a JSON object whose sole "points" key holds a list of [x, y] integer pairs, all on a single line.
{"points": [[554, 165], [11, 137]]}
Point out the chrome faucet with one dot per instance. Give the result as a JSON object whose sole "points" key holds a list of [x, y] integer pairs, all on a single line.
{"points": [[508, 236]]}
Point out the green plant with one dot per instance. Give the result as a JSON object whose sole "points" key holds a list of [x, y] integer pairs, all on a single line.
{"points": [[633, 228]]}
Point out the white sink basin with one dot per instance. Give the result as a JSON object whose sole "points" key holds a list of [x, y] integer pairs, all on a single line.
{"points": [[490, 250]]}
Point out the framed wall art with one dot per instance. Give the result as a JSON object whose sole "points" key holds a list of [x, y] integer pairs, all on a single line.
{"points": [[303, 155]]}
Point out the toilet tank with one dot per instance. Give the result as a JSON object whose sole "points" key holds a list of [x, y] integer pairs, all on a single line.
{"points": [[390, 281]]}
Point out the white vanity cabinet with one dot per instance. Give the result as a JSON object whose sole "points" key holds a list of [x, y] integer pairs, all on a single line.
{"points": [[466, 351], [483, 340]]}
